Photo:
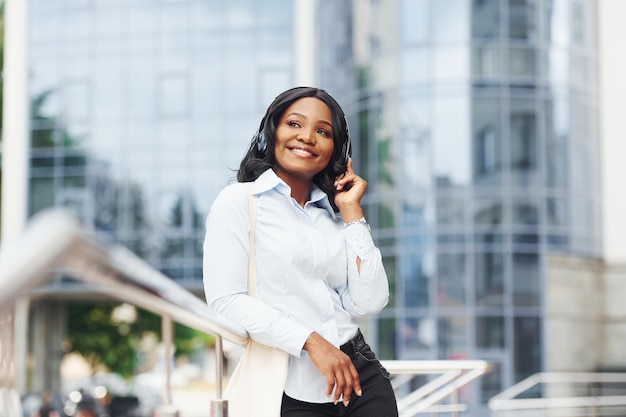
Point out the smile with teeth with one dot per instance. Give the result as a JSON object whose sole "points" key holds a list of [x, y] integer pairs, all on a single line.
{"points": [[302, 152]]}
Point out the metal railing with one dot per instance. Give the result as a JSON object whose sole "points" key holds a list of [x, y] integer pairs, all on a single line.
{"points": [[451, 376], [54, 241], [563, 394]]}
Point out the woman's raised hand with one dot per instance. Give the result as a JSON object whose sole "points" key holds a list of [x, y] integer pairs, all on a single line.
{"points": [[349, 189]]}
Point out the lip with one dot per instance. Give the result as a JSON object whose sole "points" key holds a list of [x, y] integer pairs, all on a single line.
{"points": [[297, 149]]}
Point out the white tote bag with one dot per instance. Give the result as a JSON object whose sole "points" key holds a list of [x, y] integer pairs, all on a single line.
{"points": [[256, 386]]}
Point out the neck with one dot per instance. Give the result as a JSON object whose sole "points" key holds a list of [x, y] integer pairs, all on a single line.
{"points": [[300, 187]]}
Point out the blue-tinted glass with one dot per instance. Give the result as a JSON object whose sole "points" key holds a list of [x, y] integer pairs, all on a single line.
{"points": [[414, 21], [526, 280], [527, 343], [452, 337], [489, 279], [451, 278], [486, 19], [450, 132], [450, 20], [522, 20]]}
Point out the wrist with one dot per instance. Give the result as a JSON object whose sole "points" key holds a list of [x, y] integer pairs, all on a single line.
{"points": [[351, 212]]}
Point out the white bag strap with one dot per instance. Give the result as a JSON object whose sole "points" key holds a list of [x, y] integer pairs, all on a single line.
{"points": [[252, 286]]}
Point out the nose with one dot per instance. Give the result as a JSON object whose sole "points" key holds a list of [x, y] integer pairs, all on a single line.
{"points": [[306, 136]]}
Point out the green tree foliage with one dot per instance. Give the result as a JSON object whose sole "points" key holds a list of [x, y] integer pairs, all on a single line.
{"points": [[93, 332]]}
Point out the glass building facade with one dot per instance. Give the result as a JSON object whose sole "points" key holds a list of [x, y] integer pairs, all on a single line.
{"points": [[478, 129], [474, 122], [144, 108]]}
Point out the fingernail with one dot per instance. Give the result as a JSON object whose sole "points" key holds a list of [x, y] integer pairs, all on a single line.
{"points": [[345, 403], [359, 392]]}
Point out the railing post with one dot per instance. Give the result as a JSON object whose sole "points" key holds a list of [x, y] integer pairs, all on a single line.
{"points": [[167, 409], [219, 406]]}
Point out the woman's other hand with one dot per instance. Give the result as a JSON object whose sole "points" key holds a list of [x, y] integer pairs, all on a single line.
{"points": [[336, 366], [349, 189]]}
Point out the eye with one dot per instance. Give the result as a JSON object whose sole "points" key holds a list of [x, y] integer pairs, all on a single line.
{"points": [[293, 123], [324, 132]]}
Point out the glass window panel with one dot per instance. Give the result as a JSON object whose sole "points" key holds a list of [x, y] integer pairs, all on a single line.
{"points": [[451, 271], [174, 17], [582, 173], [387, 345], [44, 28], [557, 165], [143, 21], [582, 214], [580, 72], [452, 335], [527, 347], [418, 334], [109, 93], [415, 279], [450, 129], [486, 62], [487, 138], [486, 19], [526, 212], [41, 192], [414, 66], [522, 20], [522, 62], [173, 95], [451, 64], [492, 383], [450, 22], [413, 116], [488, 211], [578, 24], [526, 285], [108, 23], [489, 332], [557, 212], [489, 279], [77, 100], [43, 134], [414, 21], [451, 210], [556, 16], [524, 142]]}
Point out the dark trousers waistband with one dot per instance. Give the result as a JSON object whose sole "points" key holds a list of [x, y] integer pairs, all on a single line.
{"points": [[354, 345]]}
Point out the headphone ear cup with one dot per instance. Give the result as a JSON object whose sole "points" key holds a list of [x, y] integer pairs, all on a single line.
{"points": [[261, 143], [346, 151]]}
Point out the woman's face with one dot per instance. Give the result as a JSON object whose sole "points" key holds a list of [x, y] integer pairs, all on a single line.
{"points": [[304, 140]]}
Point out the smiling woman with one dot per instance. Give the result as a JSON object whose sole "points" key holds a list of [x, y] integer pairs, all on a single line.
{"points": [[317, 268]]}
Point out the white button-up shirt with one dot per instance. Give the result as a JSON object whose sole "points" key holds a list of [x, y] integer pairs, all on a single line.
{"points": [[307, 276]]}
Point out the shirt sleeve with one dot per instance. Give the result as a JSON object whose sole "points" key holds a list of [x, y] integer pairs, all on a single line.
{"points": [[225, 276], [368, 289]]}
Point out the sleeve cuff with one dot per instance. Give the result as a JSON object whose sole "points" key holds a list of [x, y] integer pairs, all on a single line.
{"points": [[359, 239]]}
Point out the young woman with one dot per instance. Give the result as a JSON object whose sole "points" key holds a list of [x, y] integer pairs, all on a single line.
{"points": [[317, 266]]}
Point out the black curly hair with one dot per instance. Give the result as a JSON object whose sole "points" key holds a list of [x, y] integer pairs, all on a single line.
{"points": [[258, 159]]}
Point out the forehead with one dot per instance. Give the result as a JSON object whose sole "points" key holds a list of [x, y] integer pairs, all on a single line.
{"points": [[311, 108]]}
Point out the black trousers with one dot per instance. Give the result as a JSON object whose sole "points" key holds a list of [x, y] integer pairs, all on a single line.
{"points": [[378, 399]]}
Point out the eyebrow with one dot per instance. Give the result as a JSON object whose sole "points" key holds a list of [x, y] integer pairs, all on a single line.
{"points": [[304, 117]]}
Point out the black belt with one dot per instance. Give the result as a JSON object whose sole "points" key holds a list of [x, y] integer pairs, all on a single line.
{"points": [[354, 345]]}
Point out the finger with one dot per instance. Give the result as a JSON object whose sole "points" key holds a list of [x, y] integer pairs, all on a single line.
{"points": [[356, 382], [330, 384], [353, 384], [340, 387], [349, 165]]}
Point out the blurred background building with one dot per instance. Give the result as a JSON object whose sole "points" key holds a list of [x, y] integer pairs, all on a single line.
{"points": [[476, 124]]}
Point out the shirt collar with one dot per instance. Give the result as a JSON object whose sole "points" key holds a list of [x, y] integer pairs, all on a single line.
{"points": [[269, 180]]}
